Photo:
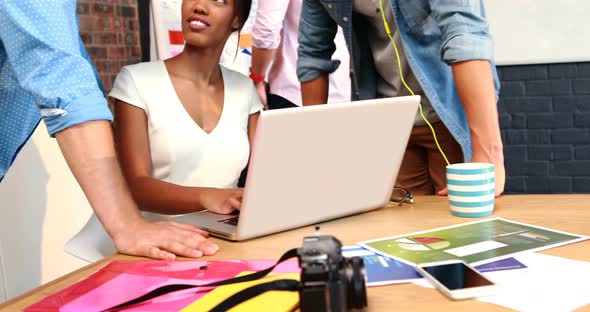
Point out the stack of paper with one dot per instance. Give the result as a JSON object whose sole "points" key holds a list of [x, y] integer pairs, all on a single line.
{"points": [[381, 270], [548, 284]]}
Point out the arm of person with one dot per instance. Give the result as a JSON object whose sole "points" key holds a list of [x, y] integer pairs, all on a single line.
{"points": [[153, 194], [468, 49], [317, 31], [261, 60], [89, 151], [475, 87], [266, 38], [64, 87], [252, 121], [255, 108], [315, 92]]}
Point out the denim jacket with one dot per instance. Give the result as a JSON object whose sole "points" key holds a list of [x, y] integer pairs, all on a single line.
{"points": [[431, 31]]}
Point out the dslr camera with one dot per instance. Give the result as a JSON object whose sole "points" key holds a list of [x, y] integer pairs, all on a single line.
{"points": [[329, 281]]}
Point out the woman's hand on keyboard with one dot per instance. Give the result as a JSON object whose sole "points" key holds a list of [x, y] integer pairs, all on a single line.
{"points": [[222, 201]]}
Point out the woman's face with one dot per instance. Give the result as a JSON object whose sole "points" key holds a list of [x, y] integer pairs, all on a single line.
{"points": [[208, 23]]}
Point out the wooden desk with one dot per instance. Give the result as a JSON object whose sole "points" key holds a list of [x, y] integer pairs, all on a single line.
{"points": [[569, 213]]}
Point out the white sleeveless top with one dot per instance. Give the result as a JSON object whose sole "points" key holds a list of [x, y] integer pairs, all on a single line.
{"points": [[181, 151]]}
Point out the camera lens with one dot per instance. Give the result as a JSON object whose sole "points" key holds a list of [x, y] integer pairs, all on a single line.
{"points": [[357, 291]]}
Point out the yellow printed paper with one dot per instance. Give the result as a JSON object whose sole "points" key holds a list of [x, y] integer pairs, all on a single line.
{"points": [[274, 300]]}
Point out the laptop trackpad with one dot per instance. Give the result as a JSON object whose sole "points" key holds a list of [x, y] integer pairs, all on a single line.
{"points": [[209, 220]]}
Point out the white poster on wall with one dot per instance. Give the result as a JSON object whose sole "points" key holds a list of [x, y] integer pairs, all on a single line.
{"points": [[167, 41], [167, 28]]}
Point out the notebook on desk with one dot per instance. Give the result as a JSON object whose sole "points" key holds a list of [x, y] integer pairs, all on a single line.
{"points": [[316, 163]]}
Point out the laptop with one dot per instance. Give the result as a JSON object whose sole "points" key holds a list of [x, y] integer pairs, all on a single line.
{"points": [[317, 163]]}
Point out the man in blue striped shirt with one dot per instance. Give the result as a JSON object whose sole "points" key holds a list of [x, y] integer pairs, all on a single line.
{"points": [[46, 74]]}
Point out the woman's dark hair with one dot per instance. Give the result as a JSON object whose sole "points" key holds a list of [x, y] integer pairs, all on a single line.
{"points": [[243, 11]]}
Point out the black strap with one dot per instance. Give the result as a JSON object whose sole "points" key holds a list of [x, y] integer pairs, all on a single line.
{"points": [[251, 292], [176, 287]]}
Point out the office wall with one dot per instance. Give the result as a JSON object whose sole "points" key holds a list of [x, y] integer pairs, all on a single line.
{"points": [[544, 108], [539, 31], [545, 120], [110, 31]]}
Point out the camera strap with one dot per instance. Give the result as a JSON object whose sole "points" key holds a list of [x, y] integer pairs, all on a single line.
{"points": [[238, 298], [253, 291]]}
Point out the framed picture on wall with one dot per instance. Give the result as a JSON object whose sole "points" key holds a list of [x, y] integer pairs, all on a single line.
{"points": [[166, 28]]}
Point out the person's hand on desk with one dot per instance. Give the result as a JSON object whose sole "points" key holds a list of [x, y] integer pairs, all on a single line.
{"points": [[163, 240], [222, 201], [493, 155]]}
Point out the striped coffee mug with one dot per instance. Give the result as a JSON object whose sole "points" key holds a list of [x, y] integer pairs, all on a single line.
{"points": [[471, 189]]}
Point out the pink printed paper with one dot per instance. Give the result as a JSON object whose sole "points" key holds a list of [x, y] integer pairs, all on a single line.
{"points": [[120, 281]]}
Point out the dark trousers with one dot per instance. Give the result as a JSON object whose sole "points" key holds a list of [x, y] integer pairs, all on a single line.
{"points": [[278, 102], [423, 169]]}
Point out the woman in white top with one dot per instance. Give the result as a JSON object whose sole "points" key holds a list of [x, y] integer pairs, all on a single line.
{"points": [[184, 125]]}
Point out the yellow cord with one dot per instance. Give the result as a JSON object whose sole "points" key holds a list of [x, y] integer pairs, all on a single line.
{"points": [[399, 64]]}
